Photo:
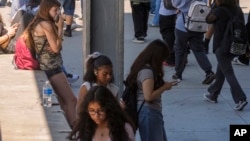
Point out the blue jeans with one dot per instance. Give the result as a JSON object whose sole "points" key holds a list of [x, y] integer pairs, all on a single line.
{"points": [[225, 71], [68, 7], [151, 125], [157, 15], [152, 6]]}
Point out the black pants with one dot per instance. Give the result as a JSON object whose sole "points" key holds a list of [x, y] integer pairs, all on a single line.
{"points": [[167, 26], [140, 13], [226, 71]]}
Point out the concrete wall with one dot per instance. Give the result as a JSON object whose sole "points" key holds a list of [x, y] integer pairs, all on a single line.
{"points": [[104, 32]]}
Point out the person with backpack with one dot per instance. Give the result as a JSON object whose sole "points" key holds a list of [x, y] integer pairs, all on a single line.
{"points": [[44, 30], [145, 80], [193, 39], [101, 118], [99, 71], [218, 17]]}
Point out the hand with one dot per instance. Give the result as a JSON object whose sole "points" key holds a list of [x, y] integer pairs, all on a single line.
{"points": [[12, 31], [122, 104], [168, 85], [60, 22], [174, 83]]}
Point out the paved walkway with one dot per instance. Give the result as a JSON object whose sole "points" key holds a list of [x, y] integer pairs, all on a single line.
{"points": [[187, 116]]}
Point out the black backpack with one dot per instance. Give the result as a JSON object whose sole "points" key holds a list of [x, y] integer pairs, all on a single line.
{"points": [[130, 99], [235, 40]]}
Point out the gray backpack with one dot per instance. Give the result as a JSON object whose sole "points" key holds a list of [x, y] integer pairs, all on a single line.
{"points": [[195, 20]]}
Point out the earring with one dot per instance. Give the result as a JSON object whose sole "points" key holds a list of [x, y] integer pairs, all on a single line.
{"points": [[95, 72]]}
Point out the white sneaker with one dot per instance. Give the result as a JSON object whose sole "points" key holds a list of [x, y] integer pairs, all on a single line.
{"points": [[236, 61], [72, 78]]}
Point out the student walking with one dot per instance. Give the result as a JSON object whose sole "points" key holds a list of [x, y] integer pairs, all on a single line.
{"points": [[185, 39], [140, 14], [218, 17]]}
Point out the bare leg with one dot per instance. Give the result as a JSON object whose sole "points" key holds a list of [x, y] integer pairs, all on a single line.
{"points": [[69, 21], [65, 95]]}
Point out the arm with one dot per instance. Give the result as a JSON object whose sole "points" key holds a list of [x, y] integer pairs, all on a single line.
{"points": [[130, 132], [10, 33], [149, 92], [81, 95], [211, 18], [54, 40]]}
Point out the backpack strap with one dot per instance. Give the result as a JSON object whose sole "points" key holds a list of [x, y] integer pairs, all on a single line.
{"points": [[44, 43], [141, 106]]}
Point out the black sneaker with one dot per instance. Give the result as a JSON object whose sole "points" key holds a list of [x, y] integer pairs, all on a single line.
{"points": [[240, 106], [209, 98], [177, 78], [139, 40], [67, 33], [209, 78]]}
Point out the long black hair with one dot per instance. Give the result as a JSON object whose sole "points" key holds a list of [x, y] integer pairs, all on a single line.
{"points": [[85, 127], [93, 63]]}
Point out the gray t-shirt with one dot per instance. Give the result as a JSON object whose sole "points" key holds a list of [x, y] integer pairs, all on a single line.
{"points": [[143, 75]]}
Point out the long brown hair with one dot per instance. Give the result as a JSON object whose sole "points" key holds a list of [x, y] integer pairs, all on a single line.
{"points": [[154, 54], [42, 15], [1, 19]]}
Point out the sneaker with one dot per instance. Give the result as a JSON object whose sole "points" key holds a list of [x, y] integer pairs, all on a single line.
{"points": [[73, 26], [209, 98], [72, 78], [240, 106], [176, 78], [236, 61], [67, 33], [209, 78], [153, 25], [138, 40]]}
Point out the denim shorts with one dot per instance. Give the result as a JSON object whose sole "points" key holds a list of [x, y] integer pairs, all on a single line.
{"points": [[53, 72], [68, 7]]}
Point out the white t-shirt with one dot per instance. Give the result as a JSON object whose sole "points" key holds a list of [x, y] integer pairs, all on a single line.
{"points": [[111, 86]]}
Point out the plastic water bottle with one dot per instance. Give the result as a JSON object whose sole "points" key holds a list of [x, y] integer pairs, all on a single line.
{"points": [[47, 94]]}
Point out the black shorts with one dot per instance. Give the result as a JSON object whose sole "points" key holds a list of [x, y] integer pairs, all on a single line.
{"points": [[53, 72]]}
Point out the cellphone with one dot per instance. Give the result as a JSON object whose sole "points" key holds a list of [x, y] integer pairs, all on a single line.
{"points": [[56, 19]]}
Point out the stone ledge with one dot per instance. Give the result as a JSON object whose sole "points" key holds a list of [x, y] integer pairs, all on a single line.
{"points": [[22, 117]]}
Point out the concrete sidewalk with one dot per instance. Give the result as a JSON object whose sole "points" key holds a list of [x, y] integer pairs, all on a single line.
{"points": [[187, 116]]}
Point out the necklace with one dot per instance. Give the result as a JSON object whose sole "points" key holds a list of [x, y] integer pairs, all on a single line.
{"points": [[102, 134]]}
